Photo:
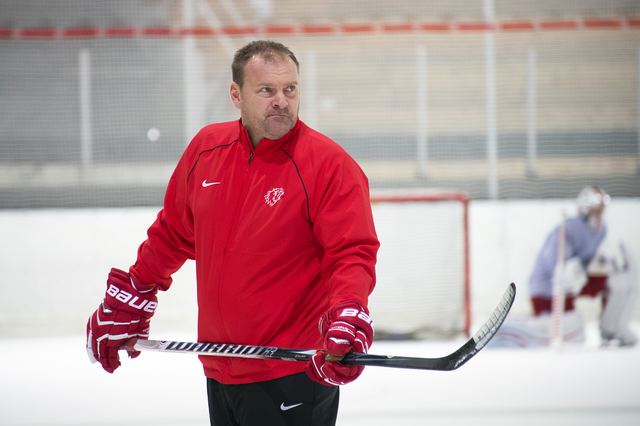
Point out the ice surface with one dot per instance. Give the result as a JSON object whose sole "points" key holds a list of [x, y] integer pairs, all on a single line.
{"points": [[49, 381]]}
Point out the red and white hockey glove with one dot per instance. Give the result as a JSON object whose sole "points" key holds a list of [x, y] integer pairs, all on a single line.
{"points": [[343, 329], [124, 313]]}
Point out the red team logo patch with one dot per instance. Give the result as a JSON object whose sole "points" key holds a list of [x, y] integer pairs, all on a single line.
{"points": [[273, 196]]}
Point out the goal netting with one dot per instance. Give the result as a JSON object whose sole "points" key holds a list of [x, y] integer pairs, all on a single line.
{"points": [[423, 265]]}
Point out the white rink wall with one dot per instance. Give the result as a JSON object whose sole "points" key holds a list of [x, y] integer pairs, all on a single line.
{"points": [[55, 262]]}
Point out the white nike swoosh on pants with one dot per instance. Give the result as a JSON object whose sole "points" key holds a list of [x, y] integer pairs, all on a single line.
{"points": [[289, 407]]}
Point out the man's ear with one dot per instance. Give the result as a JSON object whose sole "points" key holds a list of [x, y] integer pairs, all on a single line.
{"points": [[234, 93]]}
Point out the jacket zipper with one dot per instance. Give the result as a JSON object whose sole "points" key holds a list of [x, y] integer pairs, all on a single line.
{"points": [[244, 188]]}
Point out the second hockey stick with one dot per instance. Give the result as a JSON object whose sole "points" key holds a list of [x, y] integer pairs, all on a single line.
{"points": [[446, 363]]}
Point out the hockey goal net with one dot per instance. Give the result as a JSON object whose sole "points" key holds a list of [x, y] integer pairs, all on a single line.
{"points": [[423, 265]]}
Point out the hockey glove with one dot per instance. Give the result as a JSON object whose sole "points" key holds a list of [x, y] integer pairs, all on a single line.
{"points": [[124, 313], [343, 329], [570, 275]]}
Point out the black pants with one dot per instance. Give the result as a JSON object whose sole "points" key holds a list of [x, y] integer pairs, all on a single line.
{"points": [[288, 401]]}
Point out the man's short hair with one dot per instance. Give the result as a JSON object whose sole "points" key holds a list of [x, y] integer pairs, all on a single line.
{"points": [[269, 50]]}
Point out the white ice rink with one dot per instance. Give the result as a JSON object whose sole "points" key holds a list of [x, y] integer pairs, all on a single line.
{"points": [[51, 382], [54, 264]]}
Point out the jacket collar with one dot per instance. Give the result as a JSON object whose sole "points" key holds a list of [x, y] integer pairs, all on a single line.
{"points": [[268, 145]]}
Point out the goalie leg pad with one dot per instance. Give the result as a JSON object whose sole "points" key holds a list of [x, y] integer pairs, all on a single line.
{"points": [[616, 316]]}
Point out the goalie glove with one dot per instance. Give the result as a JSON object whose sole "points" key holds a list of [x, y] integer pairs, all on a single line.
{"points": [[570, 275], [610, 259], [124, 313], [343, 329]]}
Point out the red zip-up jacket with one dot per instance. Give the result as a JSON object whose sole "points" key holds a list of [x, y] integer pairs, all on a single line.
{"points": [[280, 234]]}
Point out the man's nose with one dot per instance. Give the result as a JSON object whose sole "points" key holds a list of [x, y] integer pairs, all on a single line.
{"points": [[279, 101]]}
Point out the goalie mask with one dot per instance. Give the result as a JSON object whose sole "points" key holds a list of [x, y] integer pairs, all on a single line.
{"points": [[591, 202]]}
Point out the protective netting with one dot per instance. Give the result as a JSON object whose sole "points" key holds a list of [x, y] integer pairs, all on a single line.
{"points": [[423, 266], [500, 99]]}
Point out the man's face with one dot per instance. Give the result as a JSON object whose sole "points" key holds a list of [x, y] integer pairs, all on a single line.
{"points": [[269, 97]]}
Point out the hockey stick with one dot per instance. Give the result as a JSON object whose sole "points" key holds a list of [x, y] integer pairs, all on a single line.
{"points": [[557, 290], [449, 362]]}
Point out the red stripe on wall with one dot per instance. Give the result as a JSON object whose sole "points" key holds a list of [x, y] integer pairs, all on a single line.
{"points": [[279, 29], [602, 23], [633, 22], [157, 31], [357, 28], [82, 32], [37, 32], [120, 32], [318, 29], [558, 25], [322, 29], [435, 26], [475, 26], [239, 31], [197, 32], [391, 28], [517, 26]]}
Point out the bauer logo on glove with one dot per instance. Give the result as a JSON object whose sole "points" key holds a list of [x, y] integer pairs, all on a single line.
{"points": [[131, 300]]}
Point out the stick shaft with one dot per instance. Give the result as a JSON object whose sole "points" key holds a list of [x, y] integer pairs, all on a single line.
{"points": [[557, 292], [449, 362]]}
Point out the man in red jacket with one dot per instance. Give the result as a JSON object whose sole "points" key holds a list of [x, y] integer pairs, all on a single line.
{"points": [[278, 219]]}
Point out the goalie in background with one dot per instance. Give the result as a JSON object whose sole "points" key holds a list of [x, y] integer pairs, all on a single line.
{"points": [[594, 266]]}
